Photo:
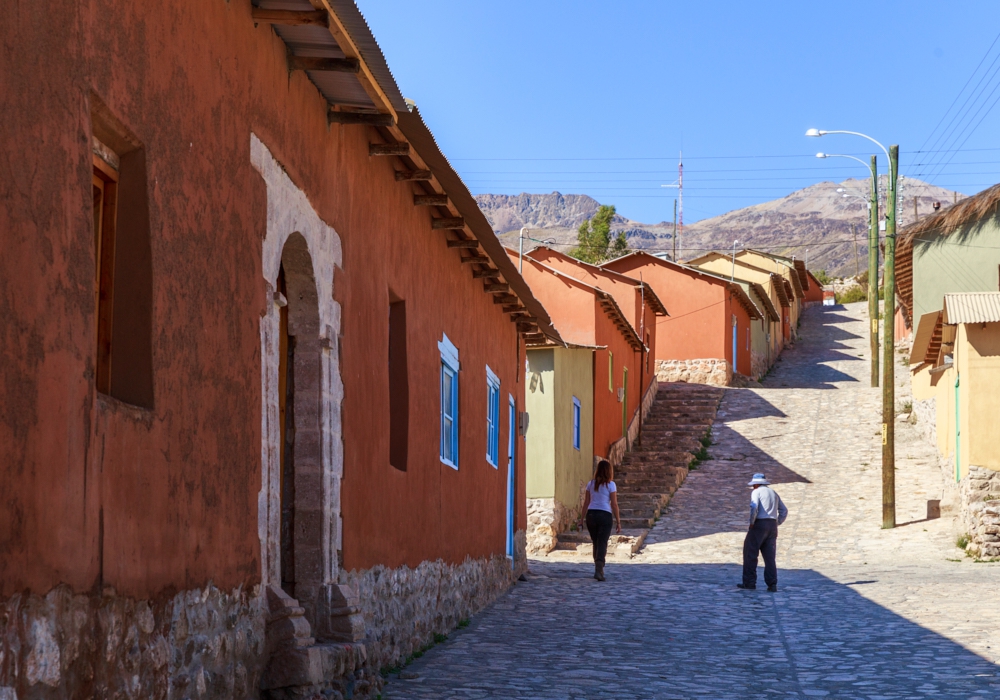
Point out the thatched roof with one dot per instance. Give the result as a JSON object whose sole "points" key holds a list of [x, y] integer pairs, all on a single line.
{"points": [[942, 223]]}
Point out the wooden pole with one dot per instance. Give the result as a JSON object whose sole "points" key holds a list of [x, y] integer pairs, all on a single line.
{"points": [[888, 361]]}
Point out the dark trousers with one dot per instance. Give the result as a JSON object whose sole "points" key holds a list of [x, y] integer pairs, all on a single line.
{"points": [[599, 524], [762, 538]]}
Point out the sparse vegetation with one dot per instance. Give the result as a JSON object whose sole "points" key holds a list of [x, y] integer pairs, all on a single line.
{"points": [[462, 624], [852, 295], [905, 407], [962, 542], [822, 277]]}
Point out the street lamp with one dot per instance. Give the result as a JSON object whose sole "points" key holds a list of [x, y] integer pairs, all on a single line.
{"points": [[889, 314], [872, 257]]}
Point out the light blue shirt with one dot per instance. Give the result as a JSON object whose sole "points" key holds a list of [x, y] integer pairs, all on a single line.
{"points": [[765, 504]]}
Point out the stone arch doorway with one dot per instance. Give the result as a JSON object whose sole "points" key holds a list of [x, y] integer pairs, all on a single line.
{"points": [[299, 424]]}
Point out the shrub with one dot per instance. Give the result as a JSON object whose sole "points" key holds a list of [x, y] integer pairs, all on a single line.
{"points": [[852, 295], [962, 542]]}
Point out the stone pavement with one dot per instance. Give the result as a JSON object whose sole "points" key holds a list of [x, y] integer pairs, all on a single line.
{"points": [[861, 612]]}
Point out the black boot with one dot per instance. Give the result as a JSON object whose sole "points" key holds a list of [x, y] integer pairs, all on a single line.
{"points": [[599, 573]]}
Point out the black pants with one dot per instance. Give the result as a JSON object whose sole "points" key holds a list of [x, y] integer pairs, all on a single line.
{"points": [[599, 524], [762, 538]]}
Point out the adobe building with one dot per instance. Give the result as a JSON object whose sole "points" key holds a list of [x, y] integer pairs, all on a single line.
{"points": [[956, 364], [792, 273], [597, 344], [262, 359], [703, 339], [779, 291]]}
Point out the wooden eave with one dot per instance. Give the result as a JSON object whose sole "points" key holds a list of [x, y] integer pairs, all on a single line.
{"points": [[614, 312], [779, 287]]}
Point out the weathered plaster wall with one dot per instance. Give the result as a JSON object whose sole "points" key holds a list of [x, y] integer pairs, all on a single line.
{"points": [[574, 377]]}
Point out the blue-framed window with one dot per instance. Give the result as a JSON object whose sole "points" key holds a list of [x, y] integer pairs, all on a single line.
{"points": [[492, 417], [576, 423], [449, 402]]}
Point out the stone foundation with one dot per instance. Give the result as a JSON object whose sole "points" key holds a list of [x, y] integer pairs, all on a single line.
{"points": [[980, 491], [925, 418], [196, 644], [546, 519], [758, 365], [404, 608], [709, 371]]}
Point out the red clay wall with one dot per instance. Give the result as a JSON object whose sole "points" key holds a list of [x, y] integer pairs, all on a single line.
{"points": [[696, 327], [607, 409], [743, 356], [174, 489]]}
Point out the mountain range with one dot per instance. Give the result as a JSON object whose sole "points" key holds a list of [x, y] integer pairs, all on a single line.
{"points": [[814, 223]]}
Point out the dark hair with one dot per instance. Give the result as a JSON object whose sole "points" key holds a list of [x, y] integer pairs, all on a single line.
{"points": [[603, 474]]}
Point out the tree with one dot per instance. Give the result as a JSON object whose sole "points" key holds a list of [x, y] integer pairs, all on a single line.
{"points": [[595, 242]]}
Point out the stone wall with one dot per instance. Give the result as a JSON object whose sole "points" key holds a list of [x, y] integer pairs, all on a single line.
{"points": [[716, 372], [758, 365], [196, 644], [925, 417], [546, 519], [404, 608], [980, 491]]}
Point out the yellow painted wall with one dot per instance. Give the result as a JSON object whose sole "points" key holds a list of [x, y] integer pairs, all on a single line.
{"points": [[979, 345], [772, 265], [920, 382], [539, 401], [573, 468], [944, 403]]}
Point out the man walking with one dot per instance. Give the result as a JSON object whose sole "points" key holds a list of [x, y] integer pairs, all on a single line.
{"points": [[767, 512]]}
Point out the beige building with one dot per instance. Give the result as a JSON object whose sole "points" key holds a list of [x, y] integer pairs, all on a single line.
{"points": [[559, 398], [956, 369]]}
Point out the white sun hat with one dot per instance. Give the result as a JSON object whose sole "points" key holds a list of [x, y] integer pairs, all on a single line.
{"points": [[759, 480]]}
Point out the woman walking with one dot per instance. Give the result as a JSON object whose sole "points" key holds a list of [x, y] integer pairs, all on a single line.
{"points": [[601, 504]]}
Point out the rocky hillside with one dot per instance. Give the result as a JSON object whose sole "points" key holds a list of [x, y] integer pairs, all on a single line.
{"points": [[814, 222]]}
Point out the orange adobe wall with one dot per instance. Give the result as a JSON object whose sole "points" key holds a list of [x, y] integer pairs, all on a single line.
{"points": [[150, 501]]}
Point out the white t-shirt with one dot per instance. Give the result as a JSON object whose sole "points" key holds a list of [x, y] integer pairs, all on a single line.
{"points": [[601, 498]]}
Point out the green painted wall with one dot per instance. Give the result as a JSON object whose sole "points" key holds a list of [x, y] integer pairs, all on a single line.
{"points": [[965, 261], [539, 401], [573, 467]]}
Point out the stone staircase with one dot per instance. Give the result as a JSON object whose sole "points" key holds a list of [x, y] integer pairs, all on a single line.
{"points": [[656, 467]]}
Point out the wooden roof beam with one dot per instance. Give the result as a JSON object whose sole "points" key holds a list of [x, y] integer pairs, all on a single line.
{"points": [[410, 175], [488, 273], [330, 65], [504, 299], [366, 118], [389, 149], [481, 259], [448, 222], [430, 200], [496, 287], [318, 18], [514, 308], [464, 244]]}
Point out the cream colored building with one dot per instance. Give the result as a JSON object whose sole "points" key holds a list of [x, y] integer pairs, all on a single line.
{"points": [[559, 397], [955, 365]]}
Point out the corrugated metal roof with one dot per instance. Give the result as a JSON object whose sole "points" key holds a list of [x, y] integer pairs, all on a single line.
{"points": [[972, 307]]}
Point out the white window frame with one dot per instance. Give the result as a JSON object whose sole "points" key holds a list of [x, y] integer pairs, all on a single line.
{"points": [[492, 418], [449, 366], [577, 420]]}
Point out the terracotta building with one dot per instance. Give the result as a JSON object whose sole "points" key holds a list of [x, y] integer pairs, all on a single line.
{"points": [[262, 358], [703, 338]]}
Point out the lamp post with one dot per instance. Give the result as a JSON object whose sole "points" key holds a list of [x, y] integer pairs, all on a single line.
{"points": [[872, 261], [732, 276], [888, 314]]}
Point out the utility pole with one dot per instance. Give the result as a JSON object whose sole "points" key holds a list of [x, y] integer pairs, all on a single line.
{"points": [[914, 209], [888, 362], [873, 272], [854, 235], [675, 230]]}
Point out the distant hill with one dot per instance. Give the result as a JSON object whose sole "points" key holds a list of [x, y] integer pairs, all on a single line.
{"points": [[816, 219]]}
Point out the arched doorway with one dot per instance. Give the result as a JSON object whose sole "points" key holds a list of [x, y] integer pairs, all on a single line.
{"points": [[300, 411]]}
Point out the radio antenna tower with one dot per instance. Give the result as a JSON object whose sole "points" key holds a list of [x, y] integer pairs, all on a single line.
{"points": [[680, 200]]}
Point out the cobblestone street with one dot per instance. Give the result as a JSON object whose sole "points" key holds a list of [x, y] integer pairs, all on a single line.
{"points": [[861, 612]]}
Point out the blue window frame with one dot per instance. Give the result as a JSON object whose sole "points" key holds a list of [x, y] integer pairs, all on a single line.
{"points": [[492, 417], [449, 402], [576, 423]]}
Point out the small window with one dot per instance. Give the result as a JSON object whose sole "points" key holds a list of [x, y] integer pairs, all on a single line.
{"points": [[492, 417], [576, 423], [449, 402], [611, 371]]}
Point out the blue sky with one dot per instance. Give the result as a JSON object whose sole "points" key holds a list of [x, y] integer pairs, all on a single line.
{"points": [[599, 97]]}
